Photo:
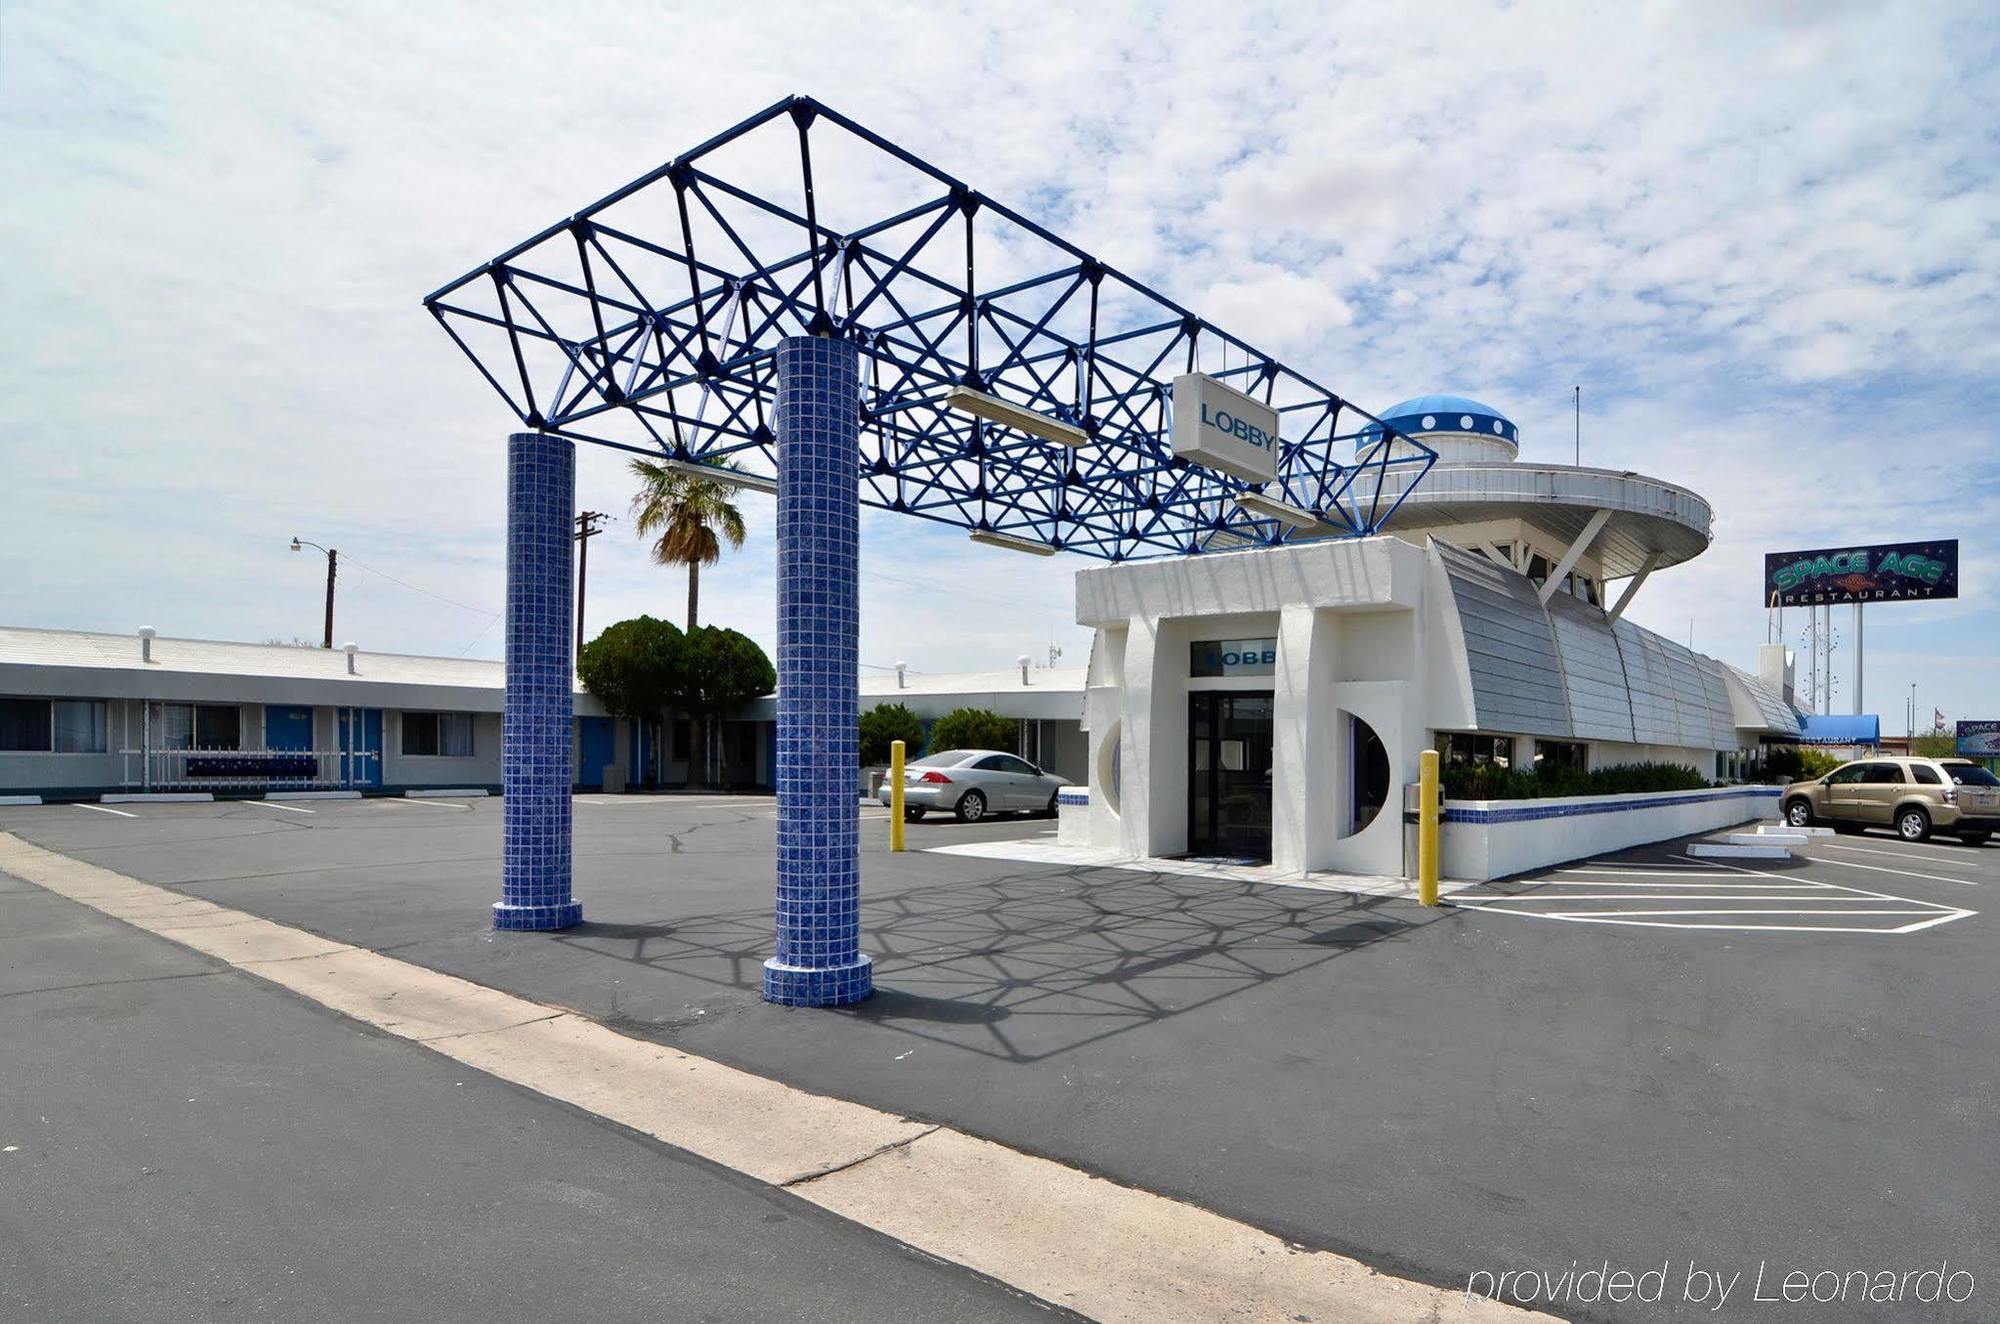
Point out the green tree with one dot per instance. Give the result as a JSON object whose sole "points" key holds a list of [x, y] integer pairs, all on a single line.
{"points": [[884, 724], [634, 667], [974, 728], [688, 520], [721, 670], [1935, 745]]}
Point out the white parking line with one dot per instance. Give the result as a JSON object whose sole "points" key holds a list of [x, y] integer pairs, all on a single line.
{"points": [[1735, 898], [1758, 894], [426, 804], [1876, 868], [102, 810], [1644, 873], [1932, 860], [290, 809]]}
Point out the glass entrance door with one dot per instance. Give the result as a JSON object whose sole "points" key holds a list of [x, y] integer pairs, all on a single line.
{"points": [[1229, 773]]}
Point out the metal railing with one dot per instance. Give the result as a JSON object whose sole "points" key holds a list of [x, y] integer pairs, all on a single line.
{"points": [[169, 770]]}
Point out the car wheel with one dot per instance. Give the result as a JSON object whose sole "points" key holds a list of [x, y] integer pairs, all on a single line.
{"points": [[971, 807], [1975, 838], [914, 813], [1799, 813], [1913, 824], [1055, 807]]}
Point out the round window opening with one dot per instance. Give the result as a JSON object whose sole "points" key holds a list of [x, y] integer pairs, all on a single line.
{"points": [[1465, 421], [1430, 420], [1367, 775]]}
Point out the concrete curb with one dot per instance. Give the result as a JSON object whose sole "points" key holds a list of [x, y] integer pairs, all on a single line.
{"points": [[158, 798], [444, 795], [312, 795], [15, 801]]}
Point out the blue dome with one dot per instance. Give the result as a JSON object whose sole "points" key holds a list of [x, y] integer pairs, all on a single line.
{"points": [[1445, 413]]}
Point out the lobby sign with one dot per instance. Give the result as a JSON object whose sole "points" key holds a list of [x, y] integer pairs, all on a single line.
{"points": [[1885, 572], [1233, 657], [1979, 740], [1219, 427]]}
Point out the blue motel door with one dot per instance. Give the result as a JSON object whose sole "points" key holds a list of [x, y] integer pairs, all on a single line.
{"points": [[361, 747], [288, 728]]}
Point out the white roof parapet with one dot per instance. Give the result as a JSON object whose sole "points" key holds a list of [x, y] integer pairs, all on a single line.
{"points": [[82, 664]]}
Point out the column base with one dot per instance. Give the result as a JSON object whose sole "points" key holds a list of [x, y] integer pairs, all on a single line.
{"points": [[537, 919], [818, 986]]}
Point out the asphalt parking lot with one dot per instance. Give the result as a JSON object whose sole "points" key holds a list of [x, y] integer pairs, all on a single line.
{"points": [[1645, 1059]]}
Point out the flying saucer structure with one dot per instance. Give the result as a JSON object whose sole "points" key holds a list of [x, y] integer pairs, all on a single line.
{"points": [[1531, 516]]}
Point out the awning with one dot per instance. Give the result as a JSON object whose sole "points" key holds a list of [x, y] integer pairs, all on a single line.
{"points": [[1865, 729]]}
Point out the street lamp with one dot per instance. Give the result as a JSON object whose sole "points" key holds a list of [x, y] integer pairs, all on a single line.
{"points": [[332, 560]]}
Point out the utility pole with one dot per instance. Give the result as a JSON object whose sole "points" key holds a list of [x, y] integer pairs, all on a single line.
{"points": [[1858, 638], [1579, 427], [586, 529], [332, 562]]}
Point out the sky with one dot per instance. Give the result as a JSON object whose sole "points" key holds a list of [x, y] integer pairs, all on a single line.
{"points": [[1761, 237]]}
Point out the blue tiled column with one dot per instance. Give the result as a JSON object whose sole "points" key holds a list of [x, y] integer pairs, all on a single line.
{"points": [[535, 749], [819, 961]]}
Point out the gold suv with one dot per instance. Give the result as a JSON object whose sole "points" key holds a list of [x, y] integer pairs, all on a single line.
{"points": [[1912, 797]]}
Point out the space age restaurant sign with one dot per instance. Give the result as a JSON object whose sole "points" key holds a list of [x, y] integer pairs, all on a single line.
{"points": [[1888, 572], [1218, 427], [1979, 740]]}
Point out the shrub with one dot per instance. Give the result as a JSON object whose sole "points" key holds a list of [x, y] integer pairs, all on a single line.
{"points": [[1488, 781], [973, 728], [634, 667], [884, 724], [1798, 762]]}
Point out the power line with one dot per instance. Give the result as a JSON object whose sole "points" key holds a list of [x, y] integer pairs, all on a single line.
{"points": [[462, 606]]}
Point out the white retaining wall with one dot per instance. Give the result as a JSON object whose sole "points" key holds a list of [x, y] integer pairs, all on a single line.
{"points": [[1484, 839]]}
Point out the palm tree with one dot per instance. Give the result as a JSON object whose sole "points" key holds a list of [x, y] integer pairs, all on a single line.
{"points": [[688, 518]]}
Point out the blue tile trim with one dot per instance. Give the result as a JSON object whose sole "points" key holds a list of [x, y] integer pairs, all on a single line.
{"points": [[819, 961], [1069, 797], [1530, 810], [535, 733]]}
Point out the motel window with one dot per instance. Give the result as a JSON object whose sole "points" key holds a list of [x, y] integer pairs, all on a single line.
{"points": [[199, 726], [80, 726], [24, 725], [448, 735], [1459, 747], [1572, 755]]}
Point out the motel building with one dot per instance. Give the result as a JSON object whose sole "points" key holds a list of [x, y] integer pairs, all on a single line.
{"points": [[1270, 703], [84, 715]]}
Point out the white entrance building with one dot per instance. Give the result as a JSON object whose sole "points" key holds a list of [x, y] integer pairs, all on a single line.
{"points": [[1272, 702]]}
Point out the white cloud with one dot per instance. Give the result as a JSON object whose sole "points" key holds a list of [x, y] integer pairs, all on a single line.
{"points": [[1763, 237]]}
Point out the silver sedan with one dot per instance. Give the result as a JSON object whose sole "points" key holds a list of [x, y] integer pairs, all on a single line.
{"points": [[973, 783]]}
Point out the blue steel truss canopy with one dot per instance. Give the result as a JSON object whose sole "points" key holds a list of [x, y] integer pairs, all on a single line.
{"points": [[650, 321]]}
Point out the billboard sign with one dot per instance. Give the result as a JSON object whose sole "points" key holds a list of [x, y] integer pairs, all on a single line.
{"points": [[1886, 572], [1979, 740], [1219, 427]]}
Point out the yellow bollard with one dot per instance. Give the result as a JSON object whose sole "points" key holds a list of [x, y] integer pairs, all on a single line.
{"points": [[1427, 828], [895, 795]]}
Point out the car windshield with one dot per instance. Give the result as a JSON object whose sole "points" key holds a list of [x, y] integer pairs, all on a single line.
{"points": [[1970, 775]]}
